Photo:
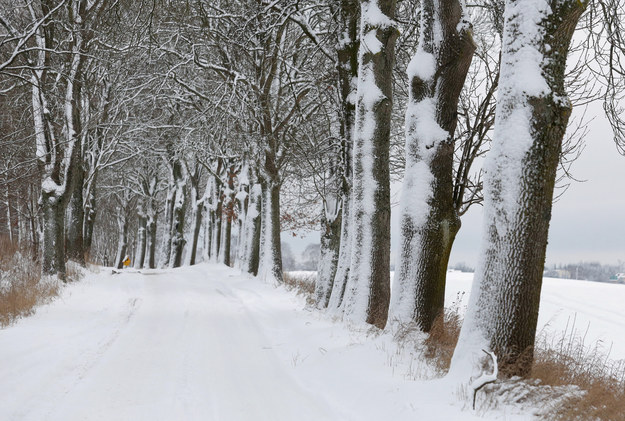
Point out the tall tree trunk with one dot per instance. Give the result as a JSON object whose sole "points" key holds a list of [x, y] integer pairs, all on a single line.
{"points": [[329, 252], [347, 52], [151, 231], [532, 115], [177, 238], [8, 204], [197, 225], [368, 291], [53, 216], [429, 221], [243, 200], [75, 245], [141, 241], [208, 230], [270, 265], [229, 215], [89, 215], [170, 204], [253, 228], [217, 225], [122, 243]]}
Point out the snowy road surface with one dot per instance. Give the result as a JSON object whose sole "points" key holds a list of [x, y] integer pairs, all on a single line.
{"points": [[204, 343]]}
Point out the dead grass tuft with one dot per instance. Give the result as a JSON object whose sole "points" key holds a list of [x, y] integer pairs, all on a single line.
{"points": [[302, 283], [442, 338], [567, 360], [21, 286], [569, 380]]}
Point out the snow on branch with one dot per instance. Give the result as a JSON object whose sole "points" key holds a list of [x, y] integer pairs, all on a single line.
{"points": [[485, 378]]}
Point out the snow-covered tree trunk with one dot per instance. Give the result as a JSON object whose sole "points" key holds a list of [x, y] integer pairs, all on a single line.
{"points": [[179, 209], [243, 200], [228, 214], [532, 115], [347, 53], [429, 221], [253, 230], [329, 250], [151, 234], [122, 242], [74, 241], [89, 213], [58, 156], [53, 238], [9, 215], [141, 240], [270, 264], [169, 217], [367, 293], [198, 206], [216, 222]]}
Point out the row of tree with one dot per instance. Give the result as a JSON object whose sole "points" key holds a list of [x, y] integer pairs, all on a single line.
{"points": [[185, 130]]}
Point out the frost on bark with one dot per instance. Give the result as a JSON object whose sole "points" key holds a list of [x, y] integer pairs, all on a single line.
{"points": [[329, 250], [229, 213], [253, 230], [122, 225], [532, 115], [197, 207], [147, 212], [74, 241], [429, 221], [179, 209], [347, 53], [169, 217], [368, 291], [151, 233], [215, 213], [270, 259], [58, 155], [242, 203], [141, 240]]}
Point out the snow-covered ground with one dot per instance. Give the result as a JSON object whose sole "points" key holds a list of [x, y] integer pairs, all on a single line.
{"points": [[594, 310], [204, 343]]}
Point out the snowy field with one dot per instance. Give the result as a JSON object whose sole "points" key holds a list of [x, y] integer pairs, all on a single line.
{"points": [[594, 310], [204, 343]]}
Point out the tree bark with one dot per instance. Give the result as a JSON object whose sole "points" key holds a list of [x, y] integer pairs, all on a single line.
{"points": [[329, 255], [142, 242], [368, 291], [229, 215], [270, 266], [75, 244], [520, 177], [179, 209], [347, 53], [429, 221], [53, 255], [253, 227], [151, 231]]}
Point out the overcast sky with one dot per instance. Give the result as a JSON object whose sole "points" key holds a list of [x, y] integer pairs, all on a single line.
{"points": [[588, 221]]}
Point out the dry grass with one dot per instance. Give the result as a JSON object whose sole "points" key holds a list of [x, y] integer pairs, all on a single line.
{"points": [[442, 338], [569, 379], [21, 286], [303, 284], [568, 360]]}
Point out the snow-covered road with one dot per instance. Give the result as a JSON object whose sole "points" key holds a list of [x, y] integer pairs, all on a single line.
{"points": [[203, 343]]}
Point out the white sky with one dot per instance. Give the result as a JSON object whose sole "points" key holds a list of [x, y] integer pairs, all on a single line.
{"points": [[588, 221]]}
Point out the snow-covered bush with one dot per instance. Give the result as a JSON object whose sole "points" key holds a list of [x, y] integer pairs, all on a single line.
{"points": [[21, 286]]}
